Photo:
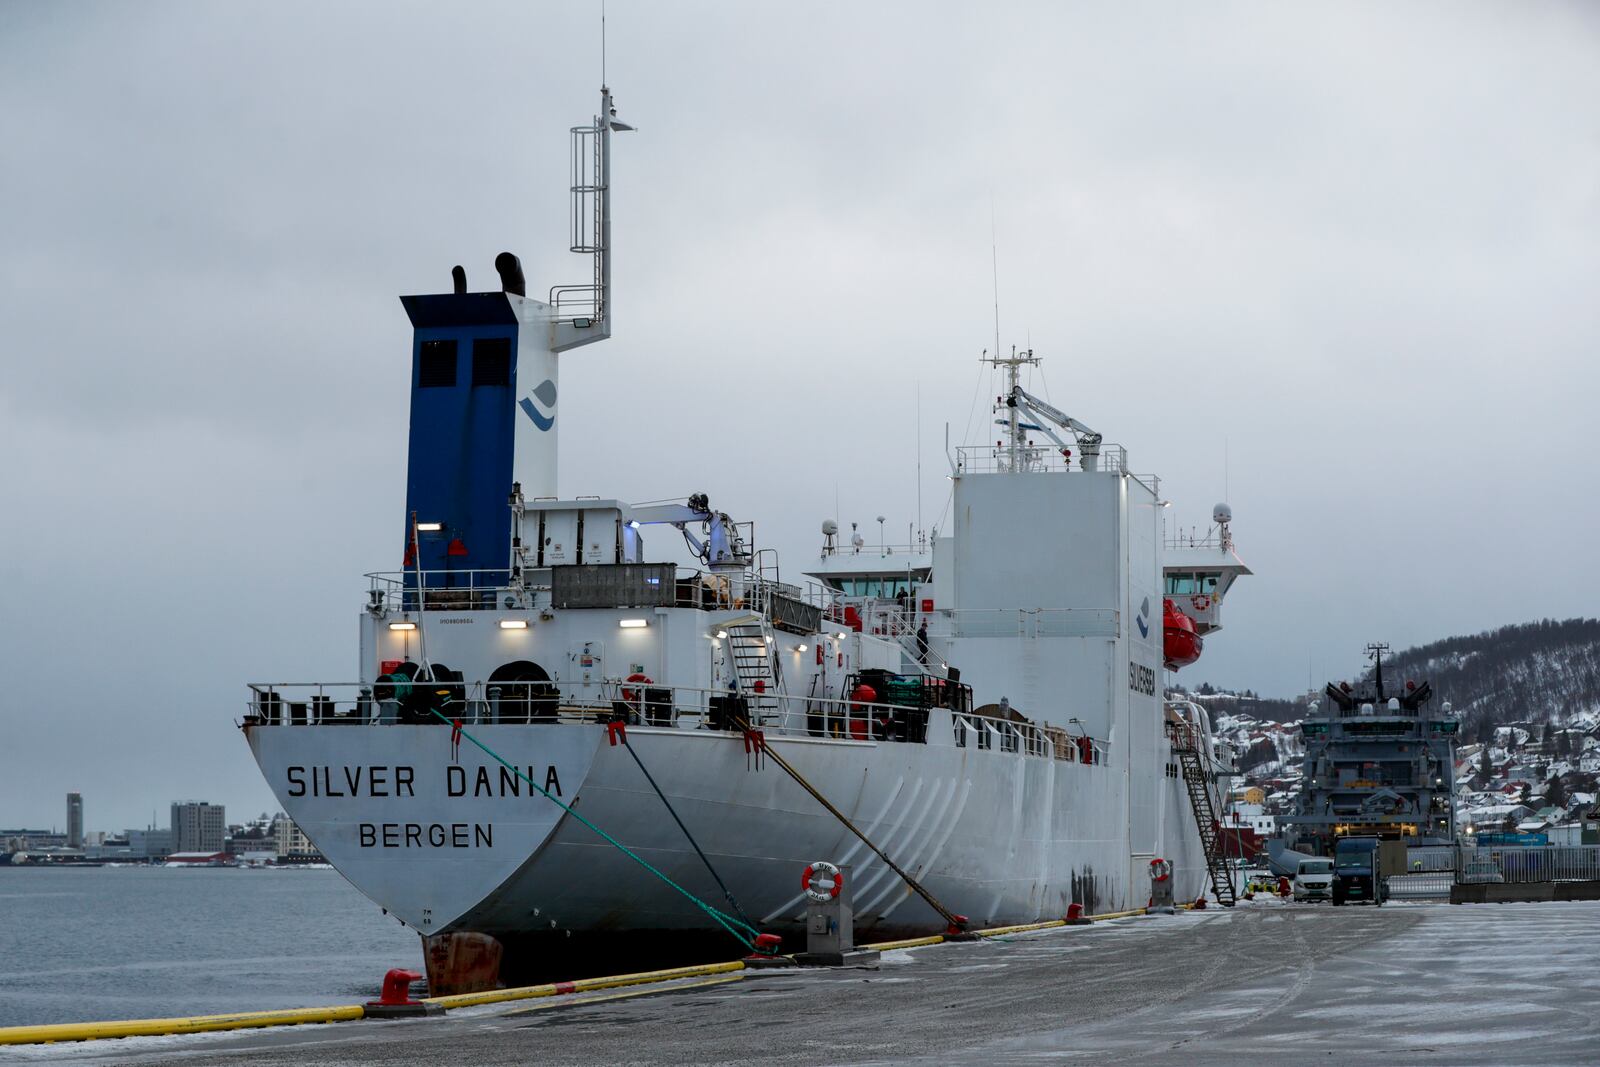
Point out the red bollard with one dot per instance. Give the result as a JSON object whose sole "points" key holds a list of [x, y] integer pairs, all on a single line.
{"points": [[764, 953], [397, 987], [1200, 903], [1283, 886], [395, 999], [1075, 915]]}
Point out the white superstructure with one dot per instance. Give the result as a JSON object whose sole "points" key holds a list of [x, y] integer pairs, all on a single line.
{"points": [[985, 704]]}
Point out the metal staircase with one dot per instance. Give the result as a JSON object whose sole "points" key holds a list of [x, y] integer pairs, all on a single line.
{"points": [[750, 649], [1192, 762]]}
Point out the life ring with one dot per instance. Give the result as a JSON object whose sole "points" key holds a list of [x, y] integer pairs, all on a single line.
{"points": [[1160, 870], [1200, 603], [631, 694], [822, 894]]}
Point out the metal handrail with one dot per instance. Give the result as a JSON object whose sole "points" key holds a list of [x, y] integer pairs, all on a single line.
{"points": [[798, 716]]}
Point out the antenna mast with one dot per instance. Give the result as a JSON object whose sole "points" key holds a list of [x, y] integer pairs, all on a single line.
{"points": [[1376, 651], [1013, 365]]}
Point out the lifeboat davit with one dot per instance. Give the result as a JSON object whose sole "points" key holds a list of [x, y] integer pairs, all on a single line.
{"points": [[1181, 644]]}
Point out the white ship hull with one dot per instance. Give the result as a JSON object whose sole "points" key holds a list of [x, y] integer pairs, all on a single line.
{"points": [[1000, 837]]}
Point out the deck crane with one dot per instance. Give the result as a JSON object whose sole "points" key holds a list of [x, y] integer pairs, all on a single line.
{"points": [[1088, 440], [722, 545]]}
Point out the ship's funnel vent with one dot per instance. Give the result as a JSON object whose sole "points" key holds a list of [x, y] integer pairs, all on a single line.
{"points": [[510, 268], [458, 276]]}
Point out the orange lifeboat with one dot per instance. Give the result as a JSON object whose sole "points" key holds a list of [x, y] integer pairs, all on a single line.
{"points": [[1181, 644]]}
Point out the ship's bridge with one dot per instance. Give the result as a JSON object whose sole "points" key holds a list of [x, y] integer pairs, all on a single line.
{"points": [[879, 571], [1198, 571]]}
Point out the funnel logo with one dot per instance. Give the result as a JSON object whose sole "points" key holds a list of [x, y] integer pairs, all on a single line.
{"points": [[545, 393], [1143, 618]]}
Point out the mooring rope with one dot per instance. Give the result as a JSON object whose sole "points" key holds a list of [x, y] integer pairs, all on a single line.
{"points": [[727, 922], [958, 923], [726, 892]]}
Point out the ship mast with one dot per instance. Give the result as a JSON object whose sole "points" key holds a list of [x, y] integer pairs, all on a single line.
{"points": [[1013, 364]]}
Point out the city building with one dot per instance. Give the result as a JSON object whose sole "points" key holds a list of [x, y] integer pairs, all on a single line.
{"points": [[25, 840], [198, 826], [150, 844], [74, 820], [292, 844]]}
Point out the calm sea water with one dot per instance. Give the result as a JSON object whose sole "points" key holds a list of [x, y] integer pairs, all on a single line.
{"points": [[132, 942]]}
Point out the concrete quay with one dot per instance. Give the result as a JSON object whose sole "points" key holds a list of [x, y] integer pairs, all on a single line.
{"points": [[1267, 982]]}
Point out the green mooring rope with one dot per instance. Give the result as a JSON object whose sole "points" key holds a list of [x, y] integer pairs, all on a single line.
{"points": [[726, 921]]}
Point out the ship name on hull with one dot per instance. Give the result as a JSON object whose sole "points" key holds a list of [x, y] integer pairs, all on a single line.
{"points": [[387, 781], [331, 781]]}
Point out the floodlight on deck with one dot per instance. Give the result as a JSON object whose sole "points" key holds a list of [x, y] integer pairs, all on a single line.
{"points": [[402, 626], [513, 624], [634, 624], [429, 527]]}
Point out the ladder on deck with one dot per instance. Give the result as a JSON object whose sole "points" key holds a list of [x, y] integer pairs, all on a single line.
{"points": [[750, 648], [1195, 776]]}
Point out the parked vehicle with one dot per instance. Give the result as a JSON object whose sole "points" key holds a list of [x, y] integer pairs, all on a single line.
{"points": [[1481, 870], [1358, 871], [1313, 880]]}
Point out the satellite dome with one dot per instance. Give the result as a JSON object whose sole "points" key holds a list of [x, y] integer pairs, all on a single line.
{"points": [[829, 527], [857, 540], [1221, 513]]}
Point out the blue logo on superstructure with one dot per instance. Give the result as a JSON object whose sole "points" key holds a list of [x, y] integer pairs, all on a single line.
{"points": [[545, 391], [1142, 617]]}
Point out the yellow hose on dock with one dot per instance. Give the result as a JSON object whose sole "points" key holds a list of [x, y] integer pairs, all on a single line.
{"points": [[194, 1024]]}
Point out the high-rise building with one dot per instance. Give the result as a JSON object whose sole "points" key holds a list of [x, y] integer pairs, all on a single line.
{"points": [[74, 820], [198, 826]]}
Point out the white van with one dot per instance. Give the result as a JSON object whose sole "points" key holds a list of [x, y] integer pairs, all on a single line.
{"points": [[1313, 879]]}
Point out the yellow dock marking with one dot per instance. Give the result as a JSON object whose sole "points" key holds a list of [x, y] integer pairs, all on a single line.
{"points": [[624, 995]]}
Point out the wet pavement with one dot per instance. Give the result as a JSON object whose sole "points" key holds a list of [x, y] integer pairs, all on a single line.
{"points": [[1268, 982]]}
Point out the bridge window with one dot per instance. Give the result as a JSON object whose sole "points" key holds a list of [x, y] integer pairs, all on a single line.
{"points": [[1192, 584]]}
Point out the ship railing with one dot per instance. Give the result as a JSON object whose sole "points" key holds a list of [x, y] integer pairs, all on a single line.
{"points": [[682, 707], [486, 589], [906, 554], [441, 590], [492, 702], [1034, 459], [1028, 738]]}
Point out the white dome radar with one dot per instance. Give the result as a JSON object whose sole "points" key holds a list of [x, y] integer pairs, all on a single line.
{"points": [[1222, 514], [829, 527]]}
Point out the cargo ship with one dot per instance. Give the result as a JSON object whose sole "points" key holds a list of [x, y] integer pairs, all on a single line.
{"points": [[982, 709]]}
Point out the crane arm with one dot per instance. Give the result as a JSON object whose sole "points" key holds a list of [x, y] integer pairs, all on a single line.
{"points": [[1087, 439]]}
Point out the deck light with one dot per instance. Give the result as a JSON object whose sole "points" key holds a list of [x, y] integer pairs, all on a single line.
{"points": [[800, 648], [634, 624], [769, 639], [721, 634], [840, 635], [402, 626], [429, 527], [513, 624]]}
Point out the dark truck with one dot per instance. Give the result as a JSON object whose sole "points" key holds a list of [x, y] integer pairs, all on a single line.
{"points": [[1361, 868]]}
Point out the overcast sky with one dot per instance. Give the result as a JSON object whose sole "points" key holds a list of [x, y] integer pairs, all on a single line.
{"points": [[1347, 256]]}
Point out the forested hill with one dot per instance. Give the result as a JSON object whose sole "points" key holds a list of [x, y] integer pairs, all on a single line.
{"points": [[1537, 672]]}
